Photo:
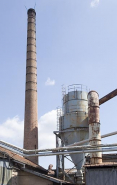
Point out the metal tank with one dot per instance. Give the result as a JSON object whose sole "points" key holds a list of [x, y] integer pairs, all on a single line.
{"points": [[73, 124]]}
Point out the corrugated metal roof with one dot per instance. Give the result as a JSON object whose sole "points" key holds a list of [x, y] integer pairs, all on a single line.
{"points": [[109, 154], [47, 177], [21, 159], [102, 164]]}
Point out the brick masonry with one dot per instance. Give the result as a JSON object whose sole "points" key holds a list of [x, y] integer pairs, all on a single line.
{"points": [[31, 115]]}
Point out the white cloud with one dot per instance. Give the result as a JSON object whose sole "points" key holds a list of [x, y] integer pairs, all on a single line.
{"points": [[12, 130], [94, 3], [47, 124], [50, 82]]}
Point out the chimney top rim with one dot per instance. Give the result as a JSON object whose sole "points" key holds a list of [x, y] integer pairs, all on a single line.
{"points": [[31, 10]]}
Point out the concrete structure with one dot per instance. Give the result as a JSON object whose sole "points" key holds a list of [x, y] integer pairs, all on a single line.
{"points": [[31, 116], [94, 125]]}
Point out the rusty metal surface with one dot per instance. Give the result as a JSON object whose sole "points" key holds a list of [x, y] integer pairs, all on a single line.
{"points": [[69, 138], [93, 99], [75, 116], [108, 97], [94, 131], [74, 120], [106, 158], [106, 175], [93, 115], [102, 164], [94, 125], [75, 95], [75, 105]]}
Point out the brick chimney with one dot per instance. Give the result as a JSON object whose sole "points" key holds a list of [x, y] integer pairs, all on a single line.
{"points": [[31, 115]]}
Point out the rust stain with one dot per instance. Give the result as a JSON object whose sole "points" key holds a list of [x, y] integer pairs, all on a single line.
{"points": [[108, 97], [94, 125]]}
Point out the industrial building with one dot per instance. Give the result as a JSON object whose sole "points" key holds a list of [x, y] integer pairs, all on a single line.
{"points": [[78, 135], [16, 170]]}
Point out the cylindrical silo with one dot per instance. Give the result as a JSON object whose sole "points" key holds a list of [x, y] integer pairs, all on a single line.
{"points": [[74, 122]]}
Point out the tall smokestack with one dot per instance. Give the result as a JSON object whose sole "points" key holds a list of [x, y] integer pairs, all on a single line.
{"points": [[31, 116]]}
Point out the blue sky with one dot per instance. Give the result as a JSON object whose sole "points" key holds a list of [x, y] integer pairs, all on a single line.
{"points": [[76, 43]]}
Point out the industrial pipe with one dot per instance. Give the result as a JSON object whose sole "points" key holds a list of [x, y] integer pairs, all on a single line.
{"points": [[87, 140], [56, 149], [83, 149], [60, 148], [94, 125], [108, 97], [19, 150], [70, 152], [74, 152]]}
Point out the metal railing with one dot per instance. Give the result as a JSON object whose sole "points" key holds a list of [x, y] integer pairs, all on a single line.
{"points": [[73, 87], [63, 90], [77, 87]]}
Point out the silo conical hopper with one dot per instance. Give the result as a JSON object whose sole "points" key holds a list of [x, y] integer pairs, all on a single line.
{"points": [[74, 121]]}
